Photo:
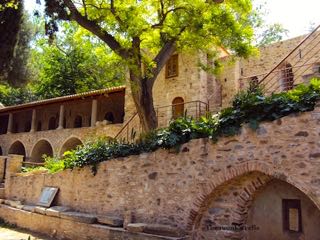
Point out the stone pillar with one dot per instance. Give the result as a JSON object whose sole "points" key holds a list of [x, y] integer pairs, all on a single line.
{"points": [[33, 121], [61, 117], [10, 123], [14, 164], [94, 111], [2, 167]]}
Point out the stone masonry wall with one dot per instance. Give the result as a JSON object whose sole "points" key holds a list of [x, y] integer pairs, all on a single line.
{"points": [[178, 188], [57, 138]]}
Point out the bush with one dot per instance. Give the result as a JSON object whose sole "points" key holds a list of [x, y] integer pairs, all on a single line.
{"points": [[250, 107]]}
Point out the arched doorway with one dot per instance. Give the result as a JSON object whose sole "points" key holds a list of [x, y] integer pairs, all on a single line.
{"points": [[177, 107], [291, 213], [70, 144], [43, 147], [256, 206], [17, 148]]}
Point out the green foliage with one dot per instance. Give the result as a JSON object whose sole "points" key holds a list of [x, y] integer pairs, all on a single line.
{"points": [[73, 63], [13, 96], [250, 108], [273, 33]]}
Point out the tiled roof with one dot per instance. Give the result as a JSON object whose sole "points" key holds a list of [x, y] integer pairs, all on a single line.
{"points": [[63, 99]]}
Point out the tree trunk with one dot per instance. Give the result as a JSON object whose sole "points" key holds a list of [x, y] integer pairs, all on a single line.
{"points": [[143, 99]]}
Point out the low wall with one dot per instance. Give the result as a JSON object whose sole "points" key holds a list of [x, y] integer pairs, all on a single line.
{"points": [[58, 228], [173, 188]]}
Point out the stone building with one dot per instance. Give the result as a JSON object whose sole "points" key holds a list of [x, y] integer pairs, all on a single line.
{"points": [[55, 125], [257, 185]]}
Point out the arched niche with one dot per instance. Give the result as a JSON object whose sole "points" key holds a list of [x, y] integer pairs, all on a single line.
{"points": [[41, 148], [17, 148], [70, 144]]}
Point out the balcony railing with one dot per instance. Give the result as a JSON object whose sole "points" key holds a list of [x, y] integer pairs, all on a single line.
{"points": [[132, 130], [298, 66]]}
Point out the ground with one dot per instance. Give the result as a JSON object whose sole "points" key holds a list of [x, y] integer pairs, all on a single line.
{"points": [[10, 233]]}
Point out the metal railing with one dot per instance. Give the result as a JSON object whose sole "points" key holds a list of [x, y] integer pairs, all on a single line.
{"points": [[132, 130], [298, 66]]}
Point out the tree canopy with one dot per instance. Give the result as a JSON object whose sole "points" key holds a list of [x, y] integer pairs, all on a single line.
{"points": [[73, 63], [146, 33]]}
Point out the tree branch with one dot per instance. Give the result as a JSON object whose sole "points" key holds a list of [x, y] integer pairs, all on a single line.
{"points": [[93, 27], [164, 16], [163, 56]]}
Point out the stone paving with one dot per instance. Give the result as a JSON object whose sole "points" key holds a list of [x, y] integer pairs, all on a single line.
{"points": [[19, 234]]}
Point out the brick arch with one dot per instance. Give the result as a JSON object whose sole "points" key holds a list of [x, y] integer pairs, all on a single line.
{"points": [[202, 203], [69, 144], [42, 146], [17, 147]]}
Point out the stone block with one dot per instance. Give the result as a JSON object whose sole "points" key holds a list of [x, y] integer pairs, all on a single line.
{"points": [[163, 230], [29, 208], [110, 220], [12, 203], [41, 210], [57, 210], [136, 227], [79, 217]]}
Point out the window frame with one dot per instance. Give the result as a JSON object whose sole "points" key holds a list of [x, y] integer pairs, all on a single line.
{"points": [[286, 205], [173, 60]]}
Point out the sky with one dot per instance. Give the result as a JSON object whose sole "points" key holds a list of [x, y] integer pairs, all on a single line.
{"points": [[296, 16]]}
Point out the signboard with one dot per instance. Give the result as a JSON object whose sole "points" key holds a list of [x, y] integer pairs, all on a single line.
{"points": [[47, 196]]}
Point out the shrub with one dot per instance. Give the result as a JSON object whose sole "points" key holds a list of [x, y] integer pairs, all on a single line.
{"points": [[250, 107]]}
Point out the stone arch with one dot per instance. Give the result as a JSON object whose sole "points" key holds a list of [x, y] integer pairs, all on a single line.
{"points": [[17, 148], [203, 201], [42, 147], [70, 144]]}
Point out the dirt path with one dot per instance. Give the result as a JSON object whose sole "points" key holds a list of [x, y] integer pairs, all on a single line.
{"points": [[19, 234]]}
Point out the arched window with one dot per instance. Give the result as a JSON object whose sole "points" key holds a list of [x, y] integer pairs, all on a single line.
{"points": [[287, 77], [52, 123], [109, 117], [77, 122], [1, 151], [39, 126], [177, 107]]}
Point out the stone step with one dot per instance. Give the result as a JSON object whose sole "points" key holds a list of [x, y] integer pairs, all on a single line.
{"points": [[156, 229], [110, 220], [79, 217]]}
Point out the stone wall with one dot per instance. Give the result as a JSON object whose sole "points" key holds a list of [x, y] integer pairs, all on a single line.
{"points": [[56, 138], [205, 184]]}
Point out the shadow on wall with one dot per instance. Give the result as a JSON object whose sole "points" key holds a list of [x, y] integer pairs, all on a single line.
{"points": [[42, 147], [17, 148], [70, 144]]}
